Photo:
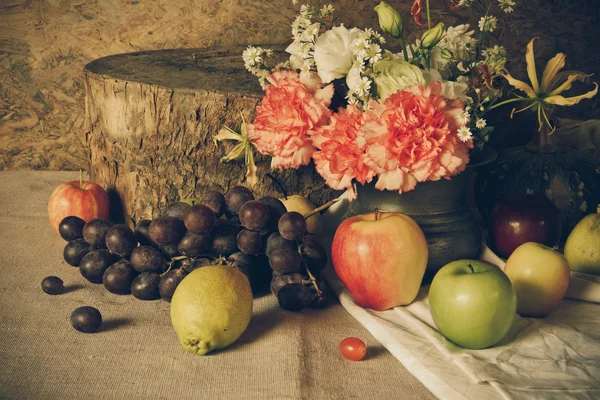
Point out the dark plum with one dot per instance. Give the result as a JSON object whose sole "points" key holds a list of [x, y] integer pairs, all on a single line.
{"points": [[94, 231], [145, 286], [199, 219], [147, 259], [194, 245], [254, 215], [75, 250], [215, 201], [168, 283], [166, 230], [236, 197], [285, 261], [176, 210], [276, 241], [86, 319], [292, 225], [52, 285], [249, 242], [118, 277], [94, 264], [71, 228], [142, 233], [120, 240]]}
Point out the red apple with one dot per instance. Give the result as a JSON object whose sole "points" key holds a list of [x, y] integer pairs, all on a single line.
{"points": [[82, 199], [381, 258], [520, 219]]}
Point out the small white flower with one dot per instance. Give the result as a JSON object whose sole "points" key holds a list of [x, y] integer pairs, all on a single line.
{"points": [[462, 79], [463, 118], [311, 32], [488, 24], [363, 87], [294, 2], [468, 108], [507, 5], [480, 124], [374, 53], [481, 108], [464, 134], [326, 10], [306, 11]]}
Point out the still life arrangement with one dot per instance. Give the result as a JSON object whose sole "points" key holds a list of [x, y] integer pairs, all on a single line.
{"points": [[399, 132]]}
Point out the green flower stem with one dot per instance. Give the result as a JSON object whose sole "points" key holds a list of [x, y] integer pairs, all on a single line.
{"points": [[428, 15], [507, 102], [401, 41]]}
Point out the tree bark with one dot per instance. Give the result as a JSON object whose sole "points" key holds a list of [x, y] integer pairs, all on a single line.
{"points": [[150, 120]]}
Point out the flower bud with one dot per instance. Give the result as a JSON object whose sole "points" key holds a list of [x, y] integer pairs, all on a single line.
{"points": [[446, 54], [432, 36], [390, 20]]}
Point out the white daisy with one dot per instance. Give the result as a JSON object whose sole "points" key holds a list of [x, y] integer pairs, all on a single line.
{"points": [[464, 134], [463, 118], [363, 87], [507, 5], [480, 124], [326, 10]]}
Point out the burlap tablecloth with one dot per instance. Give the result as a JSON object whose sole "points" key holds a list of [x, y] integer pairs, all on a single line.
{"points": [[136, 355]]}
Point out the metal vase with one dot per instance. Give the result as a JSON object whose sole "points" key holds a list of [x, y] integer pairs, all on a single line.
{"points": [[441, 210]]}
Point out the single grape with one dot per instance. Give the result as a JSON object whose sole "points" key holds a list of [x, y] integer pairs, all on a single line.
{"points": [[241, 261], [315, 256], [215, 201], [260, 274], [75, 250], [254, 215], [118, 277], [142, 233], [147, 259], [52, 285], [294, 297], [249, 242], [353, 349], [71, 228], [166, 230], [200, 219], [86, 319], [280, 280], [120, 240], [292, 225], [276, 210], [176, 210], [170, 250], [145, 286], [224, 240], [236, 197], [194, 245], [285, 261], [168, 283], [94, 264], [94, 231], [276, 241]]}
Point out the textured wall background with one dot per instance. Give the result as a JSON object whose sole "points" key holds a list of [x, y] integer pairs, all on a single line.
{"points": [[44, 45]]}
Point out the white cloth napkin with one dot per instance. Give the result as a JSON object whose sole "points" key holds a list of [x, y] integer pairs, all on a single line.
{"points": [[557, 357]]}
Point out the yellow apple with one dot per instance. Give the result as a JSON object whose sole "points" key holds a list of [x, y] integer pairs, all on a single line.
{"points": [[540, 276], [304, 206]]}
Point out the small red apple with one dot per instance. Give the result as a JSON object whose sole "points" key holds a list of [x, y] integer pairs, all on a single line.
{"points": [[520, 219], [82, 199], [380, 257]]}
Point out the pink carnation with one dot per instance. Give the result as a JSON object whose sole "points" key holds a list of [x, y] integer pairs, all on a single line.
{"points": [[285, 118], [342, 146], [421, 142]]}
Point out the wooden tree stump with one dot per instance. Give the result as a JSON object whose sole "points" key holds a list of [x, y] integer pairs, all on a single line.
{"points": [[150, 120]]}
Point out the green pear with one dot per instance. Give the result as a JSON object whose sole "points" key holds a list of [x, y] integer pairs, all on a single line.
{"points": [[301, 204], [582, 248], [211, 308]]}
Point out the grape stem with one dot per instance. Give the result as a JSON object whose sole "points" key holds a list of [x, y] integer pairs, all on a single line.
{"points": [[168, 269], [310, 275], [279, 185], [321, 208]]}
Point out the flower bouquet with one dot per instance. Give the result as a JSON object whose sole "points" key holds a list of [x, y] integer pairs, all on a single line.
{"points": [[362, 113]]}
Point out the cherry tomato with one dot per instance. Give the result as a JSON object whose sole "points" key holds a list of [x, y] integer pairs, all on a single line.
{"points": [[353, 349]]}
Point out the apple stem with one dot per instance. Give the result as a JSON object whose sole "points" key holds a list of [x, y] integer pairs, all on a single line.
{"points": [[80, 178], [321, 208], [471, 268], [598, 209], [376, 214]]}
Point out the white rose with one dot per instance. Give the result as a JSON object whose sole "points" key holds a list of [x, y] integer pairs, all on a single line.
{"points": [[394, 75], [450, 89], [333, 55]]}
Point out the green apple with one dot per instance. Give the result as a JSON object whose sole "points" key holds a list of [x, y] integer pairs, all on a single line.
{"points": [[540, 276], [472, 303]]}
